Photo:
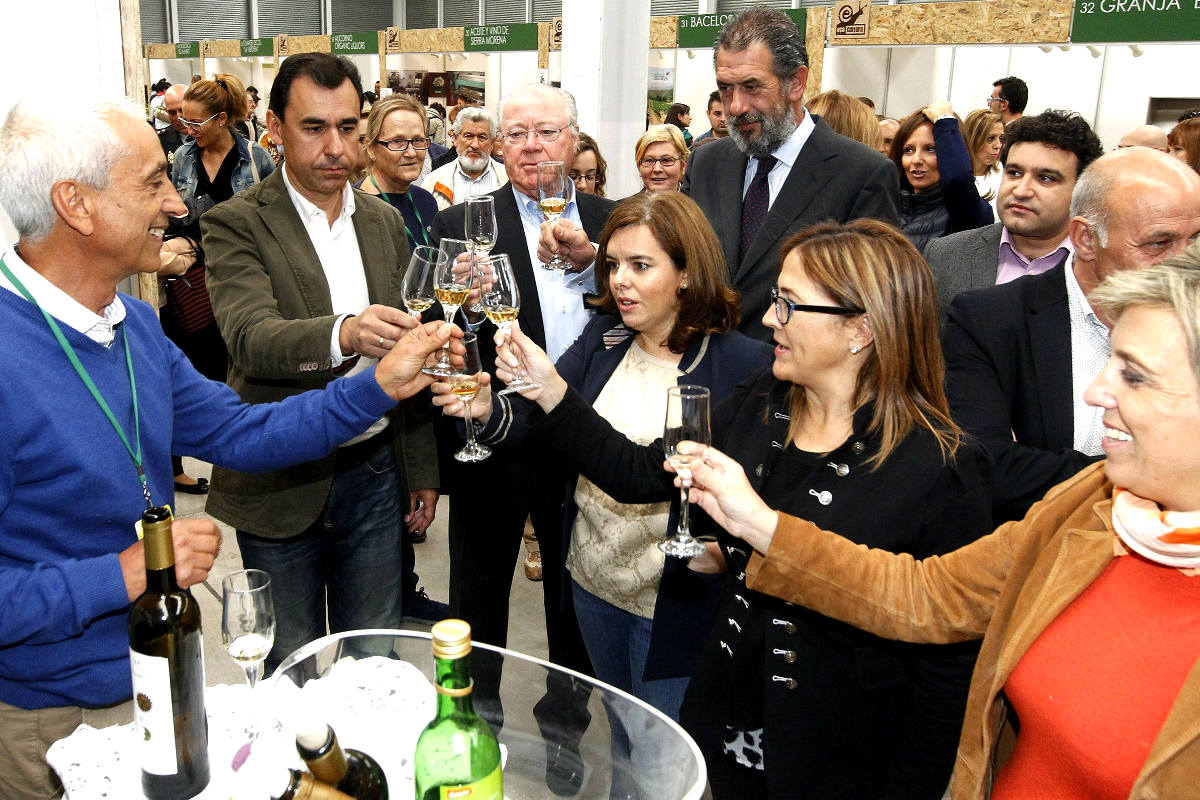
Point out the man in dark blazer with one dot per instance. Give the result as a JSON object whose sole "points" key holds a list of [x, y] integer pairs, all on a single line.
{"points": [[1020, 355], [1042, 158], [304, 276], [491, 500], [812, 174]]}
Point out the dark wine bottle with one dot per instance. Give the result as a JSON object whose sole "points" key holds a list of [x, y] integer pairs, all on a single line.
{"points": [[166, 656], [349, 770], [292, 784]]}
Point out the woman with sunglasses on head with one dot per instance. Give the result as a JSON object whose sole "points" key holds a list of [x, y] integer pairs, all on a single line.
{"points": [[661, 157], [211, 167], [396, 147], [849, 427]]}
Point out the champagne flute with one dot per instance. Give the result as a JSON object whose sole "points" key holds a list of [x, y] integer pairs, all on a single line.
{"points": [[452, 284], [687, 420], [552, 198], [465, 386], [419, 278], [480, 225], [247, 619], [502, 304]]}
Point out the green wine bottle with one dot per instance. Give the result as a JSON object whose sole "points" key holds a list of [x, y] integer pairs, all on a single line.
{"points": [[166, 656], [457, 754]]}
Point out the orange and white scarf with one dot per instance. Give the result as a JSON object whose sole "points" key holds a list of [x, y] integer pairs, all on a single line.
{"points": [[1170, 538]]}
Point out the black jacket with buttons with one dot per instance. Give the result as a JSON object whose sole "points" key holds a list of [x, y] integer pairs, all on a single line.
{"points": [[845, 714]]}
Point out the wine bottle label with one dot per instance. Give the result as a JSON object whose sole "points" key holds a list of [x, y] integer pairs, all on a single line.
{"points": [[489, 788], [152, 713]]}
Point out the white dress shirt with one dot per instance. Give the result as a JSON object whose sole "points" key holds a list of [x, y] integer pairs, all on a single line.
{"points": [[100, 328], [1090, 349], [785, 156]]}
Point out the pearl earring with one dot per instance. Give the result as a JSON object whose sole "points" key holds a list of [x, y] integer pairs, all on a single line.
{"points": [[853, 349]]}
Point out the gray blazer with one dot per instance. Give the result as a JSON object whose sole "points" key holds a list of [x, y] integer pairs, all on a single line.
{"points": [[964, 260], [271, 301], [833, 178]]}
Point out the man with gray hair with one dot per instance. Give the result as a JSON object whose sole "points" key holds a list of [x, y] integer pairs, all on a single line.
{"points": [[780, 169], [95, 400], [474, 172], [1019, 355]]}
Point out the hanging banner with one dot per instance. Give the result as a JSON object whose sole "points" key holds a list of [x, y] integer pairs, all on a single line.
{"points": [[701, 30], [257, 47], [1135, 21], [354, 44], [486, 38]]}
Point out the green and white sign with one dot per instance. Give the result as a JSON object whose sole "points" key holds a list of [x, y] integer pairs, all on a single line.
{"points": [[1134, 21], [257, 47], [486, 38], [701, 30], [354, 44], [187, 49]]}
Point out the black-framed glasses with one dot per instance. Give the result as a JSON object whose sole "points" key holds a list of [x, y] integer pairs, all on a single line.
{"points": [[195, 126], [400, 145], [589, 177], [666, 161], [784, 308]]}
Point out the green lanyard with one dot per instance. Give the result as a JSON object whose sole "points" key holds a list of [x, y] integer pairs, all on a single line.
{"points": [[135, 455], [416, 211]]}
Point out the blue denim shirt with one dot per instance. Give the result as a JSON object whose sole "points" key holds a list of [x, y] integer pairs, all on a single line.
{"points": [[186, 170]]}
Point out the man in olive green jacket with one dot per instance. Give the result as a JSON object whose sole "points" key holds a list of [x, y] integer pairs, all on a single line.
{"points": [[305, 279]]}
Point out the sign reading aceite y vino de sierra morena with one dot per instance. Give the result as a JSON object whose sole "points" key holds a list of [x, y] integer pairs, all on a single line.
{"points": [[1133, 21], [700, 30], [485, 38]]}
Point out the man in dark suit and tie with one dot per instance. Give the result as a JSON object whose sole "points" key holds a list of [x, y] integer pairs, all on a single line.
{"points": [[780, 169], [491, 500], [1043, 156], [1019, 355]]}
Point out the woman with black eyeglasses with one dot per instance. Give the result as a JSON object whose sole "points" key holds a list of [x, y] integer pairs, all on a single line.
{"points": [[395, 149], [661, 156], [849, 428]]}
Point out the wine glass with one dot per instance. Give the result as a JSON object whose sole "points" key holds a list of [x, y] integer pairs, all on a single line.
{"points": [[552, 198], [480, 225], [247, 619], [687, 421], [502, 304], [465, 386], [418, 283], [452, 284]]}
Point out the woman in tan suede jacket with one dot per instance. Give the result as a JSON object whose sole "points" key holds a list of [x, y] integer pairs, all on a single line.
{"points": [[1034, 590]]}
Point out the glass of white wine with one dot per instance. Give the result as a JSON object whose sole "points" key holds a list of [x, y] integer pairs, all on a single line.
{"points": [[502, 305], [419, 279], [248, 619], [687, 421], [552, 198], [452, 282], [465, 386], [480, 225]]}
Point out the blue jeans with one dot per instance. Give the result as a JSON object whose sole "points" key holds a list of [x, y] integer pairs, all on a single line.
{"points": [[351, 555]]}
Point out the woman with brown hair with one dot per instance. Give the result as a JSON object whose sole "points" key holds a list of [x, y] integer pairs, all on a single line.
{"points": [[1184, 141], [589, 170], [850, 428], [667, 316], [211, 167]]}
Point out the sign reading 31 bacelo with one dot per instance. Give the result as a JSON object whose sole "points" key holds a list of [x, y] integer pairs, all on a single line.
{"points": [[485, 38], [1133, 21], [701, 30]]}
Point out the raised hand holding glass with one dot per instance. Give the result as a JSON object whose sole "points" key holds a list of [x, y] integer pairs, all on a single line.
{"points": [[687, 421]]}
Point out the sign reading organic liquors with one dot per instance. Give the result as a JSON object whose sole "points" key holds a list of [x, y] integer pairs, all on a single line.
{"points": [[354, 44], [523, 36], [257, 47], [187, 49], [700, 30], [1135, 21]]}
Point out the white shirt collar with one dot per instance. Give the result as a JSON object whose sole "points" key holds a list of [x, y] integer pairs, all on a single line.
{"points": [[60, 305], [307, 209], [789, 151]]}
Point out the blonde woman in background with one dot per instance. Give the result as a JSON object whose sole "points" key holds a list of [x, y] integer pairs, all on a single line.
{"points": [[661, 156], [848, 116], [984, 133]]}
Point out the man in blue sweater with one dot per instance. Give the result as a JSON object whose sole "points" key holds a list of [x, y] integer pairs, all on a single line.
{"points": [[87, 191]]}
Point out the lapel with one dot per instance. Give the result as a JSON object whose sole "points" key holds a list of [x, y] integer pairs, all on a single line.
{"points": [[603, 363], [810, 173], [280, 218], [1181, 729], [511, 240], [984, 259], [377, 262], [1047, 318], [730, 175]]}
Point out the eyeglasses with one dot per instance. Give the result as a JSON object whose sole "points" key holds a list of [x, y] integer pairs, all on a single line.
{"points": [[482, 138], [588, 177], [784, 308], [666, 161], [400, 145], [197, 125], [544, 135], [991, 100]]}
